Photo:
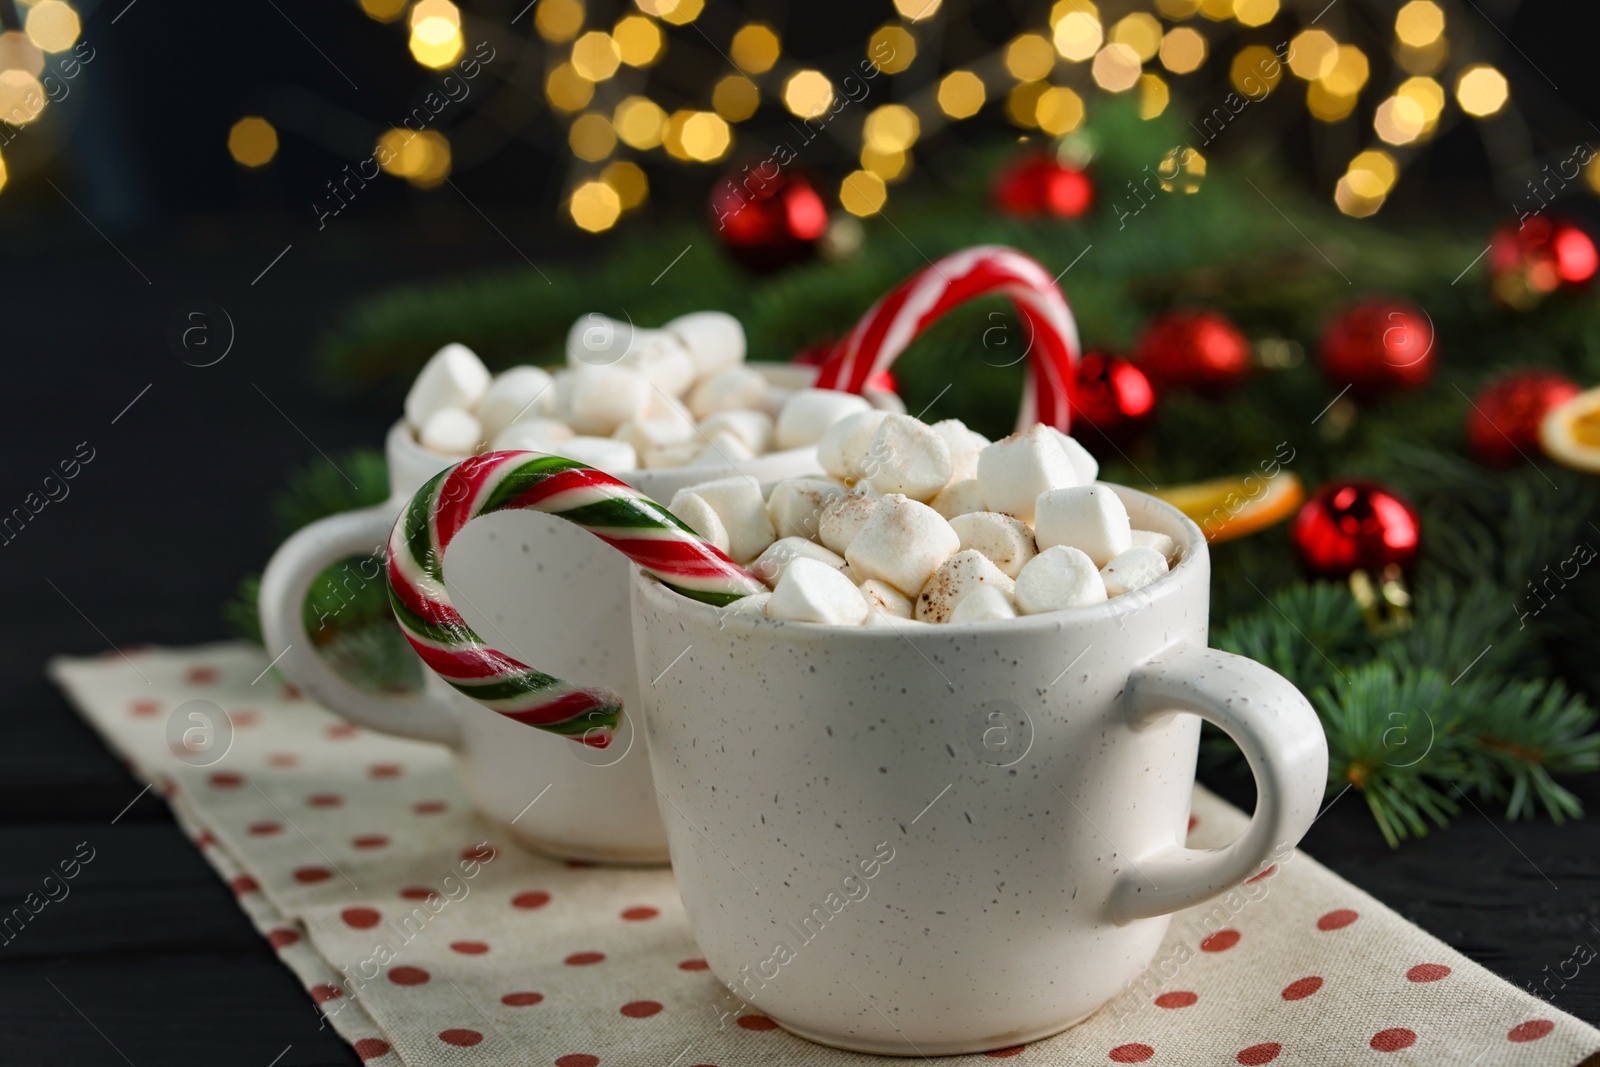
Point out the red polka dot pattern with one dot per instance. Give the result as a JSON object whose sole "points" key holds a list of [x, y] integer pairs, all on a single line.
{"points": [[1180, 998], [282, 937], [429, 807], [226, 780], [340, 731], [481, 853], [1256, 1055], [242, 719], [391, 770], [243, 884], [370, 1048], [418, 892], [312, 875], [324, 993], [757, 1022], [1134, 1053], [144, 708], [694, 965], [463, 1038], [265, 829], [1427, 972], [521, 1000], [1221, 941], [1393, 1040], [1531, 1031], [469, 948], [361, 918], [369, 841], [1337, 920], [325, 800], [409, 976], [200, 675], [578, 1059], [282, 759], [641, 1009], [583, 959], [640, 913], [534, 898], [1302, 988]]}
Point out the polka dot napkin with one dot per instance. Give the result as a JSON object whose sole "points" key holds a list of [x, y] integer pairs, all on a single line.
{"points": [[428, 938]]}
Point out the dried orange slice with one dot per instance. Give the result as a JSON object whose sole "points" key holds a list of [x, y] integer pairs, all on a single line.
{"points": [[1226, 508], [1570, 432]]}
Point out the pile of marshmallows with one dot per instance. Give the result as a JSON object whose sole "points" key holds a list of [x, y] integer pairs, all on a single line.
{"points": [[629, 398], [929, 523]]}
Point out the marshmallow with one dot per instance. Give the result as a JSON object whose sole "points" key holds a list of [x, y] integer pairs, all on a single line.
{"points": [[597, 340], [1083, 464], [902, 543], [755, 427], [754, 604], [881, 596], [511, 398], [1057, 578], [1158, 541], [735, 389], [613, 457], [1013, 471], [534, 435], [738, 503], [964, 445], [691, 508], [668, 408], [795, 505], [722, 449], [661, 359], [645, 434], [715, 340], [882, 620], [843, 517], [810, 591], [659, 457], [555, 403], [810, 413], [987, 603], [842, 451], [453, 377], [907, 457], [958, 498], [604, 398], [1007, 542], [451, 432], [1090, 517], [770, 565], [954, 579], [1133, 569]]}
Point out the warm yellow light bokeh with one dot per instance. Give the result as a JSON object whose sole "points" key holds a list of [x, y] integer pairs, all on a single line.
{"points": [[558, 21], [677, 12], [1030, 57], [1116, 68], [891, 128], [640, 122], [735, 98], [697, 136], [423, 159], [890, 166], [436, 54], [1059, 110], [1182, 170], [1353, 203], [1255, 71], [1349, 73], [22, 98], [591, 137], [755, 48], [19, 53], [913, 10], [1481, 90], [639, 40], [1153, 96], [596, 56], [1326, 105], [1425, 60], [1140, 31], [595, 206], [862, 193], [1313, 54], [1399, 120], [2, 172], [1183, 50], [566, 89], [252, 141], [961, 94], [629, 181], [1591, 174], [384, 10], [808, 94], [892, 49], [1078, 36], [1177, 9], [1255, 12], [1372, 173], [1426, 94], [1419, 23], [1217, 10], [53, 25], [1022, 104]]}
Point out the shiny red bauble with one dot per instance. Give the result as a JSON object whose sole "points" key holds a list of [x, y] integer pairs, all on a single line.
{"points": [[1111, 397], [1192, 349], [1503, 419], [1038, 183], [1377, 346], [768, 222], [1355, 525], [1532, 259]]}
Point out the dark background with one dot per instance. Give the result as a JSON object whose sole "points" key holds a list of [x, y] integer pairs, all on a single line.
{"points": [[148, 218]]}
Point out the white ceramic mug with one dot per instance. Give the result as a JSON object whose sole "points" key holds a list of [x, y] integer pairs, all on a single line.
{"points": [[927, 840], [542, 590]]}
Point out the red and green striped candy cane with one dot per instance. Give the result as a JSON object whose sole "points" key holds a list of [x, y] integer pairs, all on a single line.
{"points": [[612, 510], [890, 325]]}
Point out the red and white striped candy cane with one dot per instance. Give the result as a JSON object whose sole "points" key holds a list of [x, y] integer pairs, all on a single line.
{"points": [[899, 318], [612, 510]]}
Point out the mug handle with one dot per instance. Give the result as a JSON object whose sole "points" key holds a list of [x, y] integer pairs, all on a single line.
{"points": [[1282, 739], [424, 716]]}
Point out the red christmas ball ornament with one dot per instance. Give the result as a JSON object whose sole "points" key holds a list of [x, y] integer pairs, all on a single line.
{"points": [[1503, 421], [1355, 525], [1532, 259], [1193, 349], [768, 223], [1112, 397], [1037, 183], [1377, 346]]}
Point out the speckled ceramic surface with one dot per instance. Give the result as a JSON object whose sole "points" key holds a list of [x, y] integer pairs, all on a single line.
{"points": [[1006, 802]]}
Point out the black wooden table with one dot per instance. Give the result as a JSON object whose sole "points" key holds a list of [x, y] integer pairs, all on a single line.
{"points": [[149, 961]]}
